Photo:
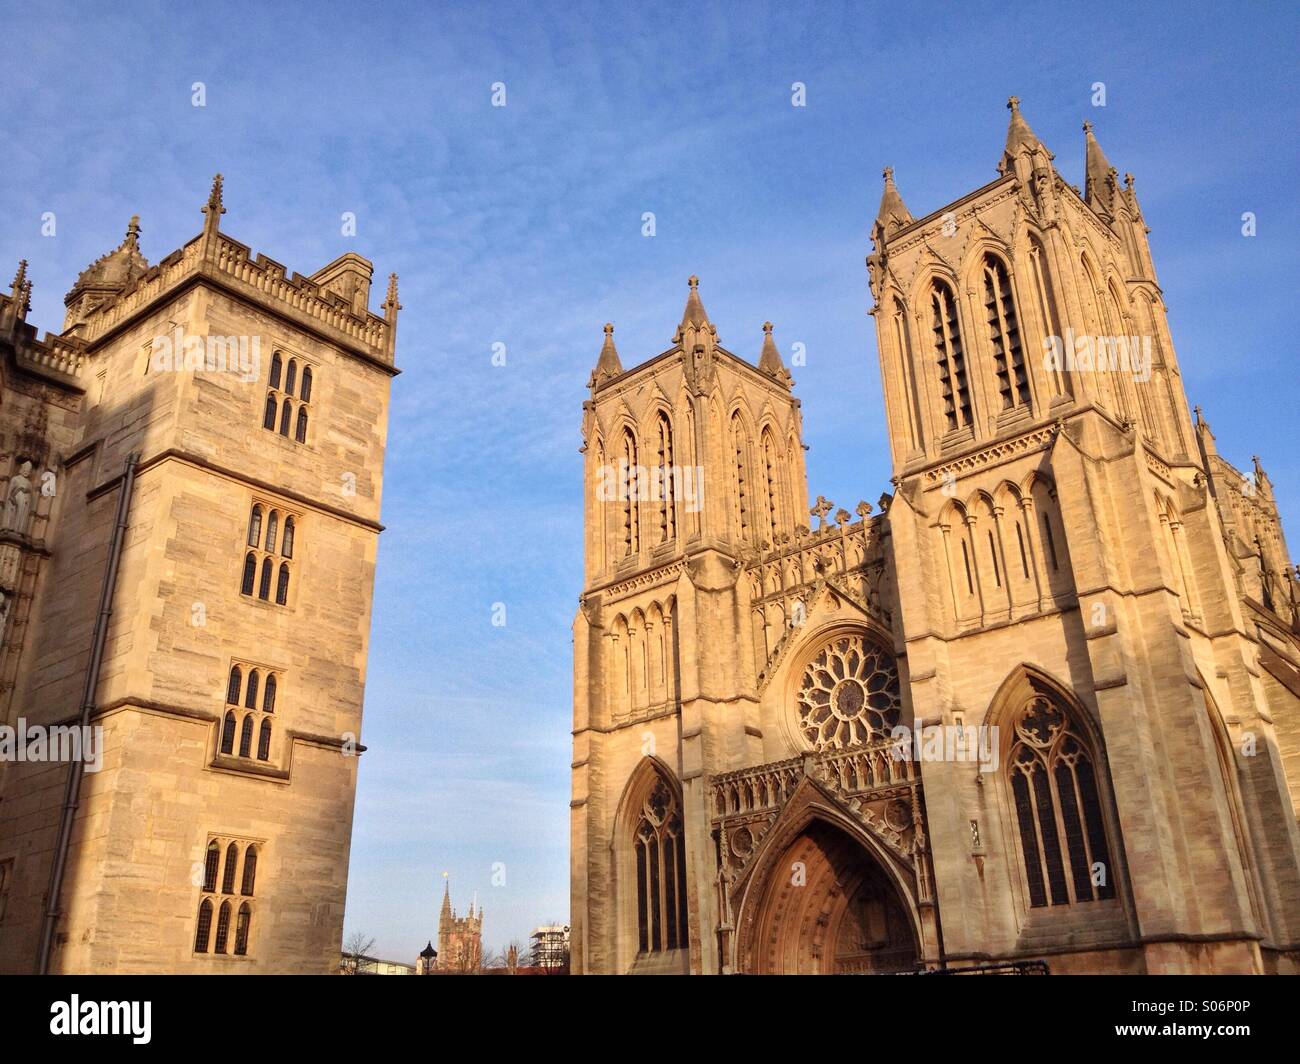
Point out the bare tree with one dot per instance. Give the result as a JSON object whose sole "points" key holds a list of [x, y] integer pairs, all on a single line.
{"points": [[356, 954]]}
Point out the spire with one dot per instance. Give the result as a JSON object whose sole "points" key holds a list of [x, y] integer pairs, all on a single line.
{"points": [[391, 305], [213, 209], [446, 897], [694, 313], [1100, 178], [893, 214], [769, 360], [608, 364], [1020, 138]]}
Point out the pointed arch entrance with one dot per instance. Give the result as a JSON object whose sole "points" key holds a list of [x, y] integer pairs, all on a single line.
{"points": [[829, 907]]}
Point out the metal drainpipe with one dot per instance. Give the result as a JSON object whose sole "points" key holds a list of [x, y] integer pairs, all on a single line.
{"points": [[72, 794]]}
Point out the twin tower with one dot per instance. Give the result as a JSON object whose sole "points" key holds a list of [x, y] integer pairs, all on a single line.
{"points": [[1090, 612]]}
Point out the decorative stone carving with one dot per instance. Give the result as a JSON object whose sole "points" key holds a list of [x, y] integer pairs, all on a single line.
{"points": [[18, 500]]}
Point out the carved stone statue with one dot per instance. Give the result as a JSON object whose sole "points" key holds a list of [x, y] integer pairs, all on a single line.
{"points": [[18, 500]]}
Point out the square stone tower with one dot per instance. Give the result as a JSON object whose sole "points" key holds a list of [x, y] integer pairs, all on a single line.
{"points": [[195, 581]]}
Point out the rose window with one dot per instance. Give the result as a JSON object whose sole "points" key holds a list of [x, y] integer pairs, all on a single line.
{"points": [[849, 694]]}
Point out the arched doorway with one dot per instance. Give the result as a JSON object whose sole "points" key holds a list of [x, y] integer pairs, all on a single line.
{"points": [[830, 908]]}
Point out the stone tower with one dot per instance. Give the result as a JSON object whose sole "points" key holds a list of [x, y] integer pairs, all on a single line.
{"points": [[210, 434], [1044, 706], [460, 938]]}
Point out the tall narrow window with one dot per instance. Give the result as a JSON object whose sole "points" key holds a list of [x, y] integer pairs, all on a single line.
{"points": [[228, 734], [629, 483], [1004, 334], [242, 922], [204, 930], [250, 872], [993, 553], [228, 874], [1058, 808], [272, 523], [661, 872], [255, 526], [282, 586], [246, 736], [286, 412], [772, 479], [264, 740], [210, 863], [250, 574], [305, 392], [268, 417], [275, 370], [223, 928], [291, 377], [286, 544], [232, 687], [251, 700], [268, 700], [300, 429], [264, 587], [954, 387], [664, 476], [740, 453]]}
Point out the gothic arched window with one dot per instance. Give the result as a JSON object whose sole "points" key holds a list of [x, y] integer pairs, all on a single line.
{"points": [[272, 527], [954, 386], [242, 922], [246, 736], [250, 872], [772, 481], [268, 418], [204, 930], [1053, 776], [250, 574], [228, 734], [223, 928], [232, 688], [264, 741], [300, 430], [212, 859], [1004, 333], [664, 476], [291, 377], [275, 370], [286, 544], [228, 874], [264, 587], [305, 392], [268, 699], [743, 500], [251, 698], [628, 484], [660, 872], [282, 586], [255, 526], [286, 412]]}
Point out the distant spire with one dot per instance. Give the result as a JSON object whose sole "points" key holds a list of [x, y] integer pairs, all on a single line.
{"points": [[893, 214], [769, 360], [694, 313], [1100, 178], [446, 895], [608, 364], [20, 279], [1020, 138]]}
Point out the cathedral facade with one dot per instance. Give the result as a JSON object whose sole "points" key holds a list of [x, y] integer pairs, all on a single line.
{"points": [[1041, 702], [193, 469], [460, 938]]}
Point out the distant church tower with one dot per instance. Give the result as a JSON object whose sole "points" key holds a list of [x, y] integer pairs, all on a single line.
{"points": [[1067, 573], [460, 938]]}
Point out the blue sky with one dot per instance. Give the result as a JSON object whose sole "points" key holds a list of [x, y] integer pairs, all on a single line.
{"points": [[522, 225]]}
